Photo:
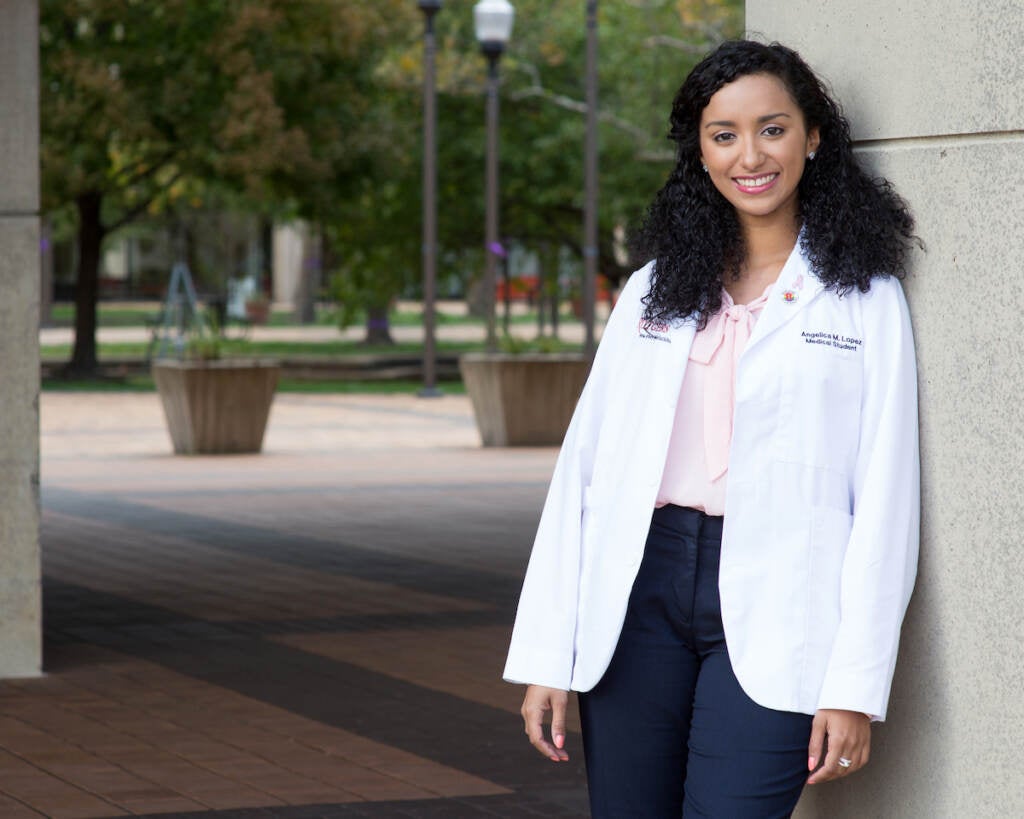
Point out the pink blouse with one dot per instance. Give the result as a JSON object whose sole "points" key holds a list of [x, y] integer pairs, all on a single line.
{"points": [[698, 453]]}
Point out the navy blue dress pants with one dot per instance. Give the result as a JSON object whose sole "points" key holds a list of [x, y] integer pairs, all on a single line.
{"points": [[668, 732]]}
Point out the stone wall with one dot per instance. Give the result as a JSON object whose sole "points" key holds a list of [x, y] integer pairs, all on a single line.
{"points": [[20, 643], [934, 90]]}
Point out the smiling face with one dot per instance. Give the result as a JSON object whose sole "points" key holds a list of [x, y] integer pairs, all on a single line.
{"points": [[754, 142]]}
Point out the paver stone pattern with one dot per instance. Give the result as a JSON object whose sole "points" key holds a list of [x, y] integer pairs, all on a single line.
{"points": [[317, 631]]}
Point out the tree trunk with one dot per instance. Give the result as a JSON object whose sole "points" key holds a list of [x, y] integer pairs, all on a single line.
{"points": [[541, 293], [46, 274], [90, 238], [267, 255], [309, 276], [378, 329], [552, 286], [507, 305]]}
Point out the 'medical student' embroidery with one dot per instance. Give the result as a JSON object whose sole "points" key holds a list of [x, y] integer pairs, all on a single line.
{"points": [[840, 342]]}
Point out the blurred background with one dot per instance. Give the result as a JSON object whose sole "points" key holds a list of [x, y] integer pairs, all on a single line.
{"points": [[276, 147]]}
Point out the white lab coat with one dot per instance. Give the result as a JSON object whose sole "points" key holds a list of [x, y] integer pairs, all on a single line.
{"points": [[819, 550]]}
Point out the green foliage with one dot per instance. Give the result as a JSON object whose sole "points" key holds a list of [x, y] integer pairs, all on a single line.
{"points": [[285, 349], [147, 107], [149, 103], [378, 248], [516, 345], [646, 48], [513, 345], [313, 109], [205, 339]]}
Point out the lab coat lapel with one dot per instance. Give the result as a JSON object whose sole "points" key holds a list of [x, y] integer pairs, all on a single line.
{"points": [[681, 334], [675, 358], [796, 287], [662, 375]]}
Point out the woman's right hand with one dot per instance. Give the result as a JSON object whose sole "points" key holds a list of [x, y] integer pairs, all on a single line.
{"points": [[537, 702]]}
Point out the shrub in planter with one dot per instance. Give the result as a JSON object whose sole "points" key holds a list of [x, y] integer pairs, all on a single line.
{"points": [[214, 405], [523, 399]]}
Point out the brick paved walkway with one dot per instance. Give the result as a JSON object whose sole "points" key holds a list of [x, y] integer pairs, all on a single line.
{"points": [[314, 632]]}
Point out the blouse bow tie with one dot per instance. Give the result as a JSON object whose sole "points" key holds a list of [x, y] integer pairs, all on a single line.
{"points": [[723, 341]]}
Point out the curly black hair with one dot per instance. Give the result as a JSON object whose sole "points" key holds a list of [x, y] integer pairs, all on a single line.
{"points": [[854, 227]]}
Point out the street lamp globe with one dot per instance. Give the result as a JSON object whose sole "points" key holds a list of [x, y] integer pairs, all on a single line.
{"points": [[492, 20], [430, 6]]}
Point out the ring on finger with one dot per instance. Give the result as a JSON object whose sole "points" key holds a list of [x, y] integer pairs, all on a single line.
{"points": [[844, 762]]}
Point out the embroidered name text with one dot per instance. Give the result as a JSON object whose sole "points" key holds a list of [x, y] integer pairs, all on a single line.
{"points": [[840, 342]]}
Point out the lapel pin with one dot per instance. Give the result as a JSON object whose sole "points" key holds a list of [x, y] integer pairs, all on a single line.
{"points": [[793, 293]]}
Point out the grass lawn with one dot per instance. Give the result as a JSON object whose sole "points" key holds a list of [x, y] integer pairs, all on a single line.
{"points": [[334, 350], [63, 314], [282, 349], [127, 315], [291, 349]]}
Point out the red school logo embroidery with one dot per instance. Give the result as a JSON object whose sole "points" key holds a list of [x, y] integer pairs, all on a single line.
{"points": [[657, 330]]}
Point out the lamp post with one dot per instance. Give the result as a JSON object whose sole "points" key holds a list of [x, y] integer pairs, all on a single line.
{"points": [[590, 245], [429, 389], [492, 21]]}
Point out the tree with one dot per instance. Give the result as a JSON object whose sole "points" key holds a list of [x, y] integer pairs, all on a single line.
{"points": [[647, 47], [312, 109], [142, 102]]}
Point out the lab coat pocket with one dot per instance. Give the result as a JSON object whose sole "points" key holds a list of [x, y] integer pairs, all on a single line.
{"points": [[588, 521], [830, 533]]}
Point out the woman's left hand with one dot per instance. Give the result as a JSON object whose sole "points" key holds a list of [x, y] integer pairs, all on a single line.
{"points": [[849, 739]]}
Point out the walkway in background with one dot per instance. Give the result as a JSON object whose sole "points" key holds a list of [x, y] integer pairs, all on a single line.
{"points": [[568, 331], [314, 632]]}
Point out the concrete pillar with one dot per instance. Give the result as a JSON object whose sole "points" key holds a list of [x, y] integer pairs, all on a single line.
{"points": [[20, 622], [291, 242], [934, 90]]}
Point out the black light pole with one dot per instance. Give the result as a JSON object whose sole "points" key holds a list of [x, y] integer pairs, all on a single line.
{"points": [[492, 50], [429, 389], [493, 23], [590, 245]]}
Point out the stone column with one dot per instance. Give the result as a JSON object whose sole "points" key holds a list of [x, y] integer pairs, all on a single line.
{"points": [[934, 90], [20, 621]]}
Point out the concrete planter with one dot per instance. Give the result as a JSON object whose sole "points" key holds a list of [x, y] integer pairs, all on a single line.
{"points": [[523, 400], [216, 407]]}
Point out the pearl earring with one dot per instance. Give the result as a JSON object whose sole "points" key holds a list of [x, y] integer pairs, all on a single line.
{"points": [[810, 155], [705, 167]]}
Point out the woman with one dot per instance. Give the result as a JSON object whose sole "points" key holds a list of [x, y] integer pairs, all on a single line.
{"points": [[730, 538]]}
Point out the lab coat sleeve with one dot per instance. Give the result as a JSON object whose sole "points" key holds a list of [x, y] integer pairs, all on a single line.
{"points": [[880, 563], [541, 651]]}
